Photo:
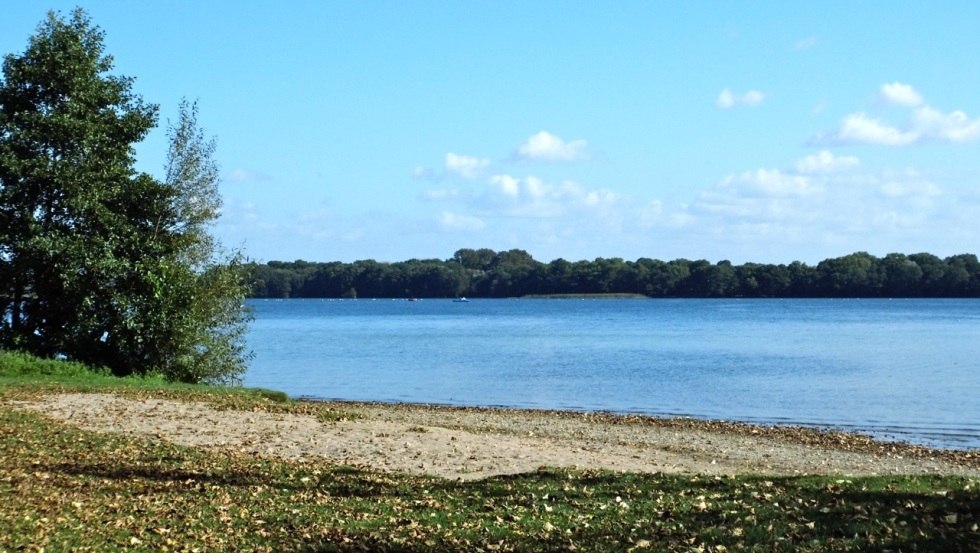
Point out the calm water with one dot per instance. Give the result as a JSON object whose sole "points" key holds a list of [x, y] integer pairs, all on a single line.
{"points": [[898, 369]]}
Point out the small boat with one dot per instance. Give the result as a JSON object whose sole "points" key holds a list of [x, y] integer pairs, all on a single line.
{"points": [[461, 299]]}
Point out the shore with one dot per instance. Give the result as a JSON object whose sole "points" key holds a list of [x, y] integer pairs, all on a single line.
{"points": [[476, 443]]}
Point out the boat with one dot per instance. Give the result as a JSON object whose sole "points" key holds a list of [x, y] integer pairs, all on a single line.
{"points": [[461, 299]]}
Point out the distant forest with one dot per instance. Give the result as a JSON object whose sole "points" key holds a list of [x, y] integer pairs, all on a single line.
{"points": [[484, 273]]}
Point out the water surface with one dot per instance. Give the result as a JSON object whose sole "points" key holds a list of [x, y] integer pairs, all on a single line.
{"points": [[898, 369]]}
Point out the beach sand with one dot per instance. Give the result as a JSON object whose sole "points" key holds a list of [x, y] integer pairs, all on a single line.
{"points": [[475, 443]]}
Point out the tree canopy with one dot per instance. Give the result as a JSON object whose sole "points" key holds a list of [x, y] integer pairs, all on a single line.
{"points": [[513, 273], [98, 262]]}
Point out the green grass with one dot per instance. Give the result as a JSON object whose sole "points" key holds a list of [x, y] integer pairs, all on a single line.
{"points": [[24, 375], [66, 489]]}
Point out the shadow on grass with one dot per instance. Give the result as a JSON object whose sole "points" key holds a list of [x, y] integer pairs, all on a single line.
{"points": [[685, 513], [342, 482], [666, 512], [122, 473]]}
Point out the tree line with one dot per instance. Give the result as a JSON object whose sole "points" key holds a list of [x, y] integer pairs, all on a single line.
{"points": [[514, 273]]}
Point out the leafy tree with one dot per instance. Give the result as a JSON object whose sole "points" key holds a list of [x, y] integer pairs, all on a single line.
{"points": [[475, 259], [100, 263], [853, 275], [199, 288], [933, 271], [900, 276], [962, 276], [270, 282], [558, 277], [803, 279]]}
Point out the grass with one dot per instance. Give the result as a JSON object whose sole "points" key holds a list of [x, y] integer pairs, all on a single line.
{"points": [[66, 489]]}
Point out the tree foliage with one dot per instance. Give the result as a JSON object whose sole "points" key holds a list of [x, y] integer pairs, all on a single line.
{"points": [[100, 263], [513, 273]]}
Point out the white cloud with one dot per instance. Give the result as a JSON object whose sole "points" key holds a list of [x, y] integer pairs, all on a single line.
{"points": [[456, 222], [858, 127], [823, 204], [826, 162], [533, 197], [954, 127], [900, 94], [506, 185], [545, 146], [925, 123], [766, 214], [727, 99], [830, 207], [466, 166], [768, 183], [753, 98]]}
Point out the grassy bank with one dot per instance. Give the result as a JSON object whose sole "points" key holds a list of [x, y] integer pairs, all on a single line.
{"points": [[62, 489], [23, 374]]}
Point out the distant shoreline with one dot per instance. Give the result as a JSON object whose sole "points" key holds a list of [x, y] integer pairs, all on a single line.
{"points": [[612, 296]]}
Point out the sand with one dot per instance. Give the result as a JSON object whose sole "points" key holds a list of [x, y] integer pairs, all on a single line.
{"points": [[459, 443]]}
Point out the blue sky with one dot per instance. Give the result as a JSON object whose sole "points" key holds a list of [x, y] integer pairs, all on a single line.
{"points": [[748, 131]]}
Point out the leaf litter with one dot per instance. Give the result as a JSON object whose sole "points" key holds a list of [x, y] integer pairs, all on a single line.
{"points": [[67, 488]]}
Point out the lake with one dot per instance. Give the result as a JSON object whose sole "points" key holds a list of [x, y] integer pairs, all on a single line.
{"points": [[906, 370]]}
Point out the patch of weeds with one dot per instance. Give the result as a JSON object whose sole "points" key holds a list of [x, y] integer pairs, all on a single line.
{"points": [[270, 395], [327, 415]]}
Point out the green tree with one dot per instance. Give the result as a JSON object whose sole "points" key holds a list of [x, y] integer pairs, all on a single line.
{"points": [[199, 288], [853, 275], [901, 276], [100, 263], [478, 260]]}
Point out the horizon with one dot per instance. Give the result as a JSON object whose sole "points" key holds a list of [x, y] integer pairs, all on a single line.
{"points": [[755, 133]]}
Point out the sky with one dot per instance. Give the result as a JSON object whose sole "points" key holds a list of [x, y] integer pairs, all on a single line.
{"points": [[749, 131]]}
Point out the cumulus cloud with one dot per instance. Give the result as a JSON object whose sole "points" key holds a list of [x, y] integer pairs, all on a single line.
{"points": [[826, 162], [925, 123], [859, 127], [954, 127], [900, 94], [465, 166], [773, 209], [457, 222], [823, 202], [533, 197], [545, 146], [769, 183], [727, 99]]}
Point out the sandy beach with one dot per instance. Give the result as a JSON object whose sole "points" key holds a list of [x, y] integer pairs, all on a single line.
{"points": [[474, 443]]}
